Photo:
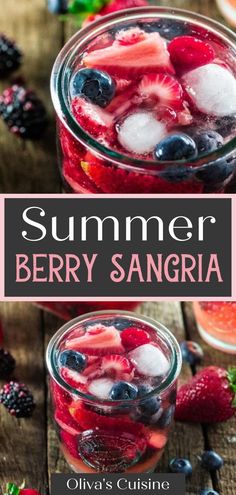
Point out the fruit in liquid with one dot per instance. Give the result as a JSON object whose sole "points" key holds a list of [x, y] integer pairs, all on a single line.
{"points": [[162, 91], [120, 424]]}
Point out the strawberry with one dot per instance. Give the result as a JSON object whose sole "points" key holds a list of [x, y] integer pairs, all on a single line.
{"points": [[165, 88], [114, 6], [189, 52], [66, 422], [100, 341], [12, 489], [148, 54], [117, 366], [209, 397], [88, 419], [95, 120], [134, 337], [114, 180], [77, 179], [121, 84], [74, 379]]}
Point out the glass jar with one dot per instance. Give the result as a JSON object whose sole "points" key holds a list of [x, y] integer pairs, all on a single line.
{"points": [[101, 433], [217, 324], [87, 165]]}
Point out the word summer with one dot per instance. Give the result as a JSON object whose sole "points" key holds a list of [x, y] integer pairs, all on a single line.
{"points": [[123, 268]]}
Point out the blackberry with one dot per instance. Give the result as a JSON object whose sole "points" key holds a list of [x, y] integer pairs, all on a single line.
{"points": [[23, 112], [10, 56], [17, 399], [7, 363]]}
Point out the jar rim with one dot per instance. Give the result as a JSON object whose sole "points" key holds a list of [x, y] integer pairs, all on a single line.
{"points": [[163, 332], [63, 111]]}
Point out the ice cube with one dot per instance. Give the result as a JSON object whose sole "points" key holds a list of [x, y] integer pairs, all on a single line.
{"points": [[149, 360], [213, 89], [101, 387], [141, 132]]}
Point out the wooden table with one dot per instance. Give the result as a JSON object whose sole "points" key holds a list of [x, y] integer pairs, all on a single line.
{"points": [[29, 447], [27, 167]]}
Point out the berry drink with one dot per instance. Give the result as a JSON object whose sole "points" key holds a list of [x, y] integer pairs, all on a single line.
{"points": [[70, 309], [146, 103], [217, 324], [113, 385]]}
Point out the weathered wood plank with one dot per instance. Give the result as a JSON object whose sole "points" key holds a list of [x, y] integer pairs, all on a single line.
{"points": [[23, 441], [221, 437], [31, 166]]}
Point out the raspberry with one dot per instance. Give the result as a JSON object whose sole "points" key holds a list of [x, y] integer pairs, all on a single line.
{"points": [[10, 56], [7, 363], [23, 112], [134, 337], [17, 399]]}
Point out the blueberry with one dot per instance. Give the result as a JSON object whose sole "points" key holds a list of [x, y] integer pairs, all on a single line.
{"points": [[208, 491], [211, 461], [176, 173], [177, 146], [166, 418], [180, 465], [216, 172], [123, 391], [73, 360], [95, 85], [208, 141], [57, 6], [122, 323], [192, 352], [150, 405], [167, 28]]}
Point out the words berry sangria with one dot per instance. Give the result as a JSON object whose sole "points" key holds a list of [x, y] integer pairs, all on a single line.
{"points": [[146, 103], [113, 385]]}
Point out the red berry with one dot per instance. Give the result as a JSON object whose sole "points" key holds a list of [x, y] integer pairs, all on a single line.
{"points": [[134, 337], [95, 120], [166, 89], [209, 397], [99, 340], [117, 366], [188, 52]]}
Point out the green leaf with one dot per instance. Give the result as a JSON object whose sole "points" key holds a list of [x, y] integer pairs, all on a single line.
{"points": [[232, 382], [12, 489]]}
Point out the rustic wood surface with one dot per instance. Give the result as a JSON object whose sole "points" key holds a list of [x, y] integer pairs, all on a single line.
{"points": [[30, 167], [29, 448]]}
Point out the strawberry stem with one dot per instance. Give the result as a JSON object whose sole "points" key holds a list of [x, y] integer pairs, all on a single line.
{"points": [[12, 489], [232, 381]]}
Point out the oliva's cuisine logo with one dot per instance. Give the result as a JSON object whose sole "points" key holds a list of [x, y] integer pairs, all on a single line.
{"points": [[117, 247]]}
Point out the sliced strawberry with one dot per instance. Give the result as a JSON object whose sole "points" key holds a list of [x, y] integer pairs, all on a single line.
{"points": [[77, 180], [163, 87], [147, 55], [88, 419], [116, 180], [94, 370], [122, 102], [74, 379], [95, 120], [64, 419], [118, 367], [134, 337], [189, 52], [157, 440], [106, 341], [130, 36]]}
